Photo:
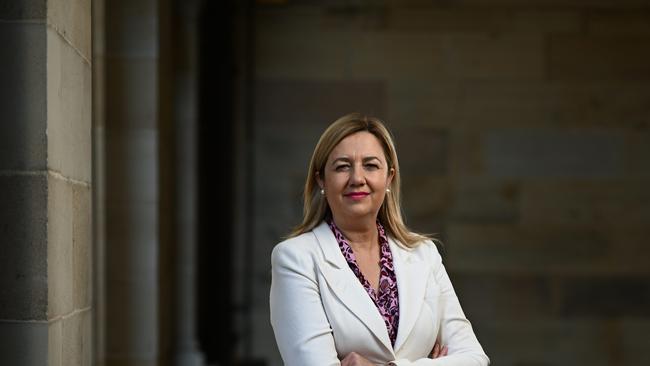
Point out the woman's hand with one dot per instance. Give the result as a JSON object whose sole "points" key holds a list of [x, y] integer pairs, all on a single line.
{"points": [[355, 359], [438, 351]]}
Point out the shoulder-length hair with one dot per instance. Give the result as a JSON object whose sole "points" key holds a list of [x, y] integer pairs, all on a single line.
{"points": [[315, 207]]}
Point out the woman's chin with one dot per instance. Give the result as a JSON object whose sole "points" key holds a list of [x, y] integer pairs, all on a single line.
{"points": [[359, 213]]}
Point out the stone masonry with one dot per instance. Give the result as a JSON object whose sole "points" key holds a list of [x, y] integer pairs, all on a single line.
{"points": [[45, 180]]}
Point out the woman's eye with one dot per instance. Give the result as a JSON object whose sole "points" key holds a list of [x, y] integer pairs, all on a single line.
{"points": [[339, 168], [372, 166]]}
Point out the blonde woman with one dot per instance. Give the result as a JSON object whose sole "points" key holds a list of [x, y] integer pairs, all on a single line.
{"points": [[352, 285]]}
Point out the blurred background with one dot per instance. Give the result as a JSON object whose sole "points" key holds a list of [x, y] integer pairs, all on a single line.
{"points": [[152, 153]]}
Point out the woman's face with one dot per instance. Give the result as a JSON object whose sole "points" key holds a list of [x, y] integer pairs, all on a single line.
{"points": [[356, 177]]}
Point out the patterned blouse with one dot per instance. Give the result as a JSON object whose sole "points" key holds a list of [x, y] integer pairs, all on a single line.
{"points": [[386, 298]]}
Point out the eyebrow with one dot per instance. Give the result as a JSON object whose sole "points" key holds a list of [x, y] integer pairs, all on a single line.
{"points": [[347, 160]]}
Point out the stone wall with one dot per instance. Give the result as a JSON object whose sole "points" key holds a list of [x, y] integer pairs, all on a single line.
{"points": [[45, 179], [523, 133]]}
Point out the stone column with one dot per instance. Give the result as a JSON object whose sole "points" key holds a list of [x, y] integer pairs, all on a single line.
{"points": [[186, 350], [131, 189], [45, 180]]}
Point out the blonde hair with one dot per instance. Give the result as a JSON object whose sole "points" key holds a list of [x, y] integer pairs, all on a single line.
{"points": [[315, 207]]}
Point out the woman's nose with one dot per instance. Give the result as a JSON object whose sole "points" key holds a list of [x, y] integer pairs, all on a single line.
{"points": [[357, 177]]}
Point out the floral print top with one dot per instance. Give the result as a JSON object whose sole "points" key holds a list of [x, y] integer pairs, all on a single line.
{"points": [[386, 299]]}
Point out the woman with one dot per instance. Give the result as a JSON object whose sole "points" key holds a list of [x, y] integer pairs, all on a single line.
{"points": [[352, 285]]}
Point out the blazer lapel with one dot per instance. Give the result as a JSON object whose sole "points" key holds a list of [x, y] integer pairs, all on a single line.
{"points": [[411, 284], [347, 287]]}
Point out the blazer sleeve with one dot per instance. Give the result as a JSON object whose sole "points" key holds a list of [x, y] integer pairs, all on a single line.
{"points": [[302, 331], [455, 330]]}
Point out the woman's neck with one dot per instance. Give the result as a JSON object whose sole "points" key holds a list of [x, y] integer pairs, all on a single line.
{"points": [[361, 234]]}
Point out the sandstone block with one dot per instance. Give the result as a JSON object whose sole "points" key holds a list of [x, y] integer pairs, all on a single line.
{"points": [[69, 110], [77, 339], [82, 246], [554, 153], [72, 20], [23, 143], [23, 262], [60, 254], [599, 58]]}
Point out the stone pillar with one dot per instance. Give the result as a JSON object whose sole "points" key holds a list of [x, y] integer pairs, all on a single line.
{"points": [[186, 350], [131, 171], [45, 180]]}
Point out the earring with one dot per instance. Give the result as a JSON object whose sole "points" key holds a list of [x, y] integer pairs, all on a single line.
{"points": [[322, 191], [387, 190]]}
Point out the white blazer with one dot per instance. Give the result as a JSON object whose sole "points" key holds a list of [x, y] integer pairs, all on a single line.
{"points": [[320, 312]]}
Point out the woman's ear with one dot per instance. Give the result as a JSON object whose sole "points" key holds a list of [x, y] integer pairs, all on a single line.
{"points": [[391, 175], [319, 180]]}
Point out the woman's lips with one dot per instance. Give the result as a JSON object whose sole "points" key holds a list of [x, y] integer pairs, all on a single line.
{"points": [[357, 195]]}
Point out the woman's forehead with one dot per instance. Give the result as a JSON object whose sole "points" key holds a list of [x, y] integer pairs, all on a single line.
{"points": [[359, 145]]}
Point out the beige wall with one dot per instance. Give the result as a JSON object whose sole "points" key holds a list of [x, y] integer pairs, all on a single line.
{"points": [[523, 133]]}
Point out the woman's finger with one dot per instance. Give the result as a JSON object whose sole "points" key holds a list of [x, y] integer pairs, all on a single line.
{"points": [[355, 359], [444, 351], [435, 353]]}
